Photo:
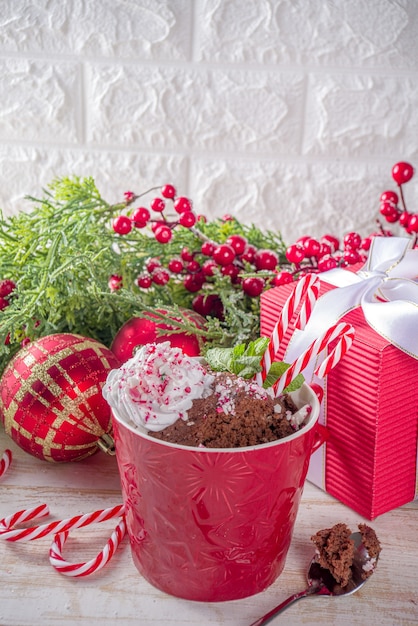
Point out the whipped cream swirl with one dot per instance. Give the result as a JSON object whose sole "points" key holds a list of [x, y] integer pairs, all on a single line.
{"points": [[157, 386]]}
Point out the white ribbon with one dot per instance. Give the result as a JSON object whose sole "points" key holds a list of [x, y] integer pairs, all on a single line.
{"points": [[386, 290]]}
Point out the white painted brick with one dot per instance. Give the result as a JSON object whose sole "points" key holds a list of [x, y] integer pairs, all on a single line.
{"points": [[360, 33], [151, 29], [27, 171], [183, 109], [289, 113], [296, 200], [354, 116], [39, 100]]}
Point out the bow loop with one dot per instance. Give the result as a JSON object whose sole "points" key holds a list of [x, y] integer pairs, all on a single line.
{"points": [[386, 289]]}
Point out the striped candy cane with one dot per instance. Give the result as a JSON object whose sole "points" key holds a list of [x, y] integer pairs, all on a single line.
{"points": [[341, 331], [8, 532], [90, 567], [306, 291], [5, 461]]}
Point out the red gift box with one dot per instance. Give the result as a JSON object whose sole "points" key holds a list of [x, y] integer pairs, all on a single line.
{"points": [[370, 408]]}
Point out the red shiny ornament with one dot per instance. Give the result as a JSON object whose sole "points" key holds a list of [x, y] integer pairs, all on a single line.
{"points": [[138, 331], [51, 399]]}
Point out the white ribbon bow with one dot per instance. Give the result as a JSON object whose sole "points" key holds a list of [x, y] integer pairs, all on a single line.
{"points": [[386, 290]]}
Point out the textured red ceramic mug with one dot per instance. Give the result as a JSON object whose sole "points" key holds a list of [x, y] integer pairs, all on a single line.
{"points": [[213, 524]]}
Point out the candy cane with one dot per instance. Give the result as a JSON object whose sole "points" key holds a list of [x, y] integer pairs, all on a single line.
{"points": [[94, 565], [5, 461], [306, 291], [36, 532], [341, 331]]}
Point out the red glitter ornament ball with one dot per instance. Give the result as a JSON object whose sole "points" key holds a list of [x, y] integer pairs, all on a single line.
{"points": [[139, 331], [51, 399]]}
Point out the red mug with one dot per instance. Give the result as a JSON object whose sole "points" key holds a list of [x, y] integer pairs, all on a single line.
{"points": [[213, 524]]}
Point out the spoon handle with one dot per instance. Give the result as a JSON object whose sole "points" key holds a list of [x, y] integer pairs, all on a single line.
{"points": [[281, 607]]}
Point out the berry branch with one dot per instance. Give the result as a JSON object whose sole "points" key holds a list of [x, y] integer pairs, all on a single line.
{"points": [[76, 263]]}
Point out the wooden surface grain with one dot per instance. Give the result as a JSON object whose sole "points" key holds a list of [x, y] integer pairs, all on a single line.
{"points": [[33, 593]]}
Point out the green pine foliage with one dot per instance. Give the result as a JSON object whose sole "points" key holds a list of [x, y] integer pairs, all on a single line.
{"points": [[62, 253]]}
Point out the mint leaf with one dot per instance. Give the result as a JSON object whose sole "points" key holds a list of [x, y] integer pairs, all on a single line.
{"points": [[245, 360], [241, 360], [276, 370], [219, 359]]}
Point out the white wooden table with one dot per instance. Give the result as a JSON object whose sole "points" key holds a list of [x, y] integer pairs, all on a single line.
{"points": [[32, 593]]}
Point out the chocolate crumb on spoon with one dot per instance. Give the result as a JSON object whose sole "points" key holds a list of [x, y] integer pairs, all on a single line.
{"points": [[341, 565]]}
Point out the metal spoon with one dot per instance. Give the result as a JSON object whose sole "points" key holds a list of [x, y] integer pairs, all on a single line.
{"points": [[322, 583]]}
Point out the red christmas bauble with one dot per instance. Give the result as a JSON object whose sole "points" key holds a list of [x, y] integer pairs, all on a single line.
{"points": [[138, 331], [51, 399]]}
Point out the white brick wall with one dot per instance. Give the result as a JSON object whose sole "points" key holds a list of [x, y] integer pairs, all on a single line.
{"points": [[287, 113]]}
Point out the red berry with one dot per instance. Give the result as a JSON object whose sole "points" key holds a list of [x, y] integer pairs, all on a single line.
{"points": [[253, 286], [160, 276], [324, 249], [168, 191], [327, 263], [404, 218], [387, 208], [176, 265], [249, 253], [207, 305], [187, 219], [163, 234], [193, 266], [393, 216], [207, 248], [209, 267], [352, 240], [366, 243], [152, 264], [115, 282], [224, 254], [389, 196], [144, 281], [129, 196], [351, 256], [311, 246], [157, 224], [230, 270], [186, 255], [266, 260], [295, 253], [158, 205], [282, 278], [413, 224], [3, 303], [6, 287], [237, 242], [402, 172], [193, 282], [331, 241], [140, 217], [182, 204], [122, 225]]}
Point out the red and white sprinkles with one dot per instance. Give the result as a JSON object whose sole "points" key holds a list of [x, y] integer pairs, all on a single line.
{"points": [[156, 387], [61, 529]]}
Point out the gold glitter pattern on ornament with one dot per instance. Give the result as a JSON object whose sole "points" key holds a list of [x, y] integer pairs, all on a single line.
{"points": [[50, 397]]}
